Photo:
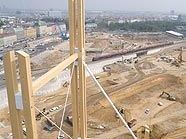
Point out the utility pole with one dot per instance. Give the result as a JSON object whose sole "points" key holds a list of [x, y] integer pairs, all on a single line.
{"points": [[74, 83]]}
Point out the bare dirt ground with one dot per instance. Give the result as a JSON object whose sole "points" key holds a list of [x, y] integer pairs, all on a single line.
{"points": [[135, 87], [97, 44]]}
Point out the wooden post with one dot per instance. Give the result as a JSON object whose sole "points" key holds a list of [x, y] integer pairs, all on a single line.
{"points": [[147, 132], [44, 79], [140, 132], [12, 88], [74, 81], [143, 132], [27, 93], [81, 59]]}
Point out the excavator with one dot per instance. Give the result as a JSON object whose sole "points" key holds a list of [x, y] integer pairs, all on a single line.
{"points": [[130, 122], [180, 57], [168, 96], [179, 60]]}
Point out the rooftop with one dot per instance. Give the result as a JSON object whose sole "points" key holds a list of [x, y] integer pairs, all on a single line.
{"points": [[174, 33]]}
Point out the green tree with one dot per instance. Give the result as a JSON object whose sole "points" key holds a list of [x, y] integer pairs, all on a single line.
{"points": [[1, 23]]}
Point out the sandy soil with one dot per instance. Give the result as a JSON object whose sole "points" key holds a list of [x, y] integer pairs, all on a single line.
{"points": [[134, 87]]}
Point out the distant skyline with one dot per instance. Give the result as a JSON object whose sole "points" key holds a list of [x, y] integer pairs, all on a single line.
{"points": [[120, 5]]}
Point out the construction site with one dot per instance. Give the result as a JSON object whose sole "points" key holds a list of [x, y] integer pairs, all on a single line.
{"points": [[97, 86]]}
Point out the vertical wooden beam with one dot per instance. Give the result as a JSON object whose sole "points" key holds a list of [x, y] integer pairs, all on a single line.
{"points": [[81, 53], [74, 89], [27, 93], [140, 133], [143, 132], [74, 83], [147, 132], [12, 88]]}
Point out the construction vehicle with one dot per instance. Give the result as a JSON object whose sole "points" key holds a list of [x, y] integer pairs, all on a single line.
{"points": [[168, 96], [40, 115], [66, 84], [180, 57], [132, 123], [49, 126], [176, 63], [121, 111], [126, 116], [69, 120]]}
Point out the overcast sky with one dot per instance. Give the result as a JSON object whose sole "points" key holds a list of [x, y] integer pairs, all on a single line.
{"points": [[122, 5]]}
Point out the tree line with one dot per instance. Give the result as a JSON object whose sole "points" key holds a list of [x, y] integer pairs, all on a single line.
{"points": [[145, 26]]}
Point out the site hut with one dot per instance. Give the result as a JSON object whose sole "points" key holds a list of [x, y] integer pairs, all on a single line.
{"points": [[175, 34]]}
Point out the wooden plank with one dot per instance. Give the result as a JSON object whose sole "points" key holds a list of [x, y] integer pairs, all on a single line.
{"points": [[74, 88], [147, 133], [139, 133], [74, 81], [81, 59], [12, 88], [27, 93], [84, 55], [44, 79], [72, 23]]}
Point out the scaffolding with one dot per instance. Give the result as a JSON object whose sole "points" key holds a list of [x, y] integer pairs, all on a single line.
{"points": [[27, 87]]}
